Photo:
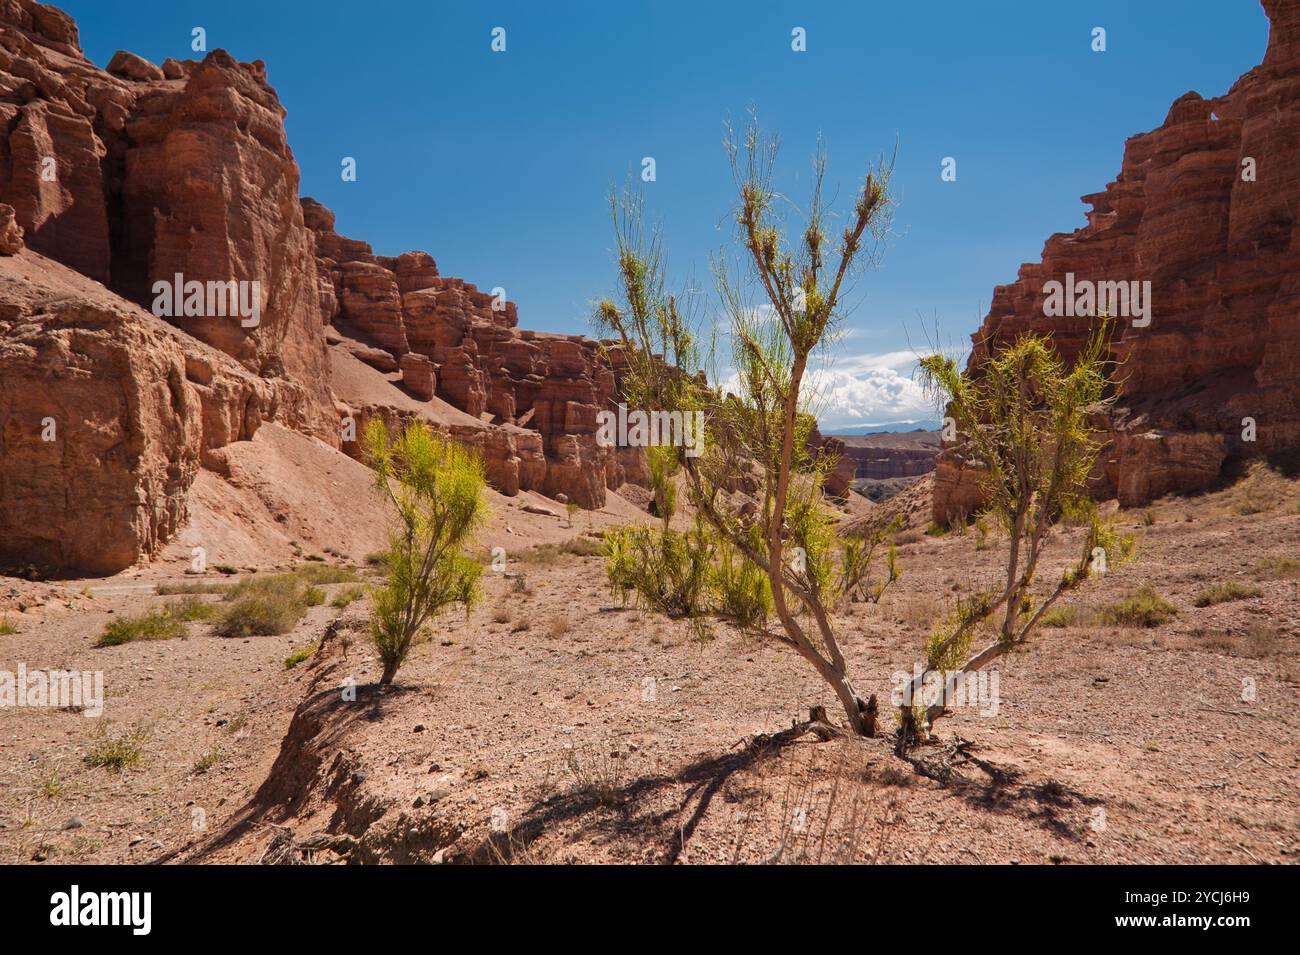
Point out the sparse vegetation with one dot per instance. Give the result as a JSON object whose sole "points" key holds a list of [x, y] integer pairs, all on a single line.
{"points": [[1143, 608], [267, 605], [6, 628], [436, 489], [157, 624], [191, 609], [1222, 593], [326, 574], [206, 761], [190, 587], [51, 787], [302, 653], [1278, 568], [347, 596], [544, 555], [1066, 616], [116, 751], [597, 774]]}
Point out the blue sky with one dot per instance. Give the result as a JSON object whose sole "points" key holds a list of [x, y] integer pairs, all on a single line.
{"points": [[498, 164]]}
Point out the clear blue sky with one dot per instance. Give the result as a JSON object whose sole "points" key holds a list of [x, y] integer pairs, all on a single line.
{"points": [[498, 164]]}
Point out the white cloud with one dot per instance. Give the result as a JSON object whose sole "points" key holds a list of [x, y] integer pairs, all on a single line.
{"points": [[868, 389], [863, 390]]}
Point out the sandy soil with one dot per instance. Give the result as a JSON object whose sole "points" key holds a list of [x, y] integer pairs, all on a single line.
{"points": [[553, 725]]}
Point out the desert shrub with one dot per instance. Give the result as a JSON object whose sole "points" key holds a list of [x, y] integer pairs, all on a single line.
{"points": [[157, 624], [6, 628], [189, 587], [1142, 608], [116, 751], [302, 653], [266, 606], [436, 490], [665, 570], [544, 555], [1066, 616], [1276, 568], [1027, 416], [326, 574], [206, 761], [191, 609], [1224, 592], [347, 596]]}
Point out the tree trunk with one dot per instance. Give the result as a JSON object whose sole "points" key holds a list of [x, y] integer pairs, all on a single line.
{"points": [[861, 713]]}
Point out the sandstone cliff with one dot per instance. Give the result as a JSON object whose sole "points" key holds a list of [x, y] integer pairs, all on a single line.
{"points": [[536, 395], [112, 180], [1206, 209]]}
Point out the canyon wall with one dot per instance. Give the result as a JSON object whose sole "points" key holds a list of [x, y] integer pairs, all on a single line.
{"points": [[1207, 209], [115, 179]]}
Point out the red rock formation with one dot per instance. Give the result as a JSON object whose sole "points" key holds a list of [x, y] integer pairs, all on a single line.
{"points": [[1206, 208], [11, 233], [107, 413], [418, 375], [134, 174], [131, 175], [889, 455], [407, 315]]}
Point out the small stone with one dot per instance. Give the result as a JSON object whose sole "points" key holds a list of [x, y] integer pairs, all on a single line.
{"points": [[73, 823]]}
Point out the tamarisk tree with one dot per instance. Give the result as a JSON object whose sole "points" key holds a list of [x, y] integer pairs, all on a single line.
{"points": [[778, 568], [1026, 418], [436, 489]]}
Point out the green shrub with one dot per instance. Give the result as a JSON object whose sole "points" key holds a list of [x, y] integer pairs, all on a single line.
{"points": [[436, 489], [265, 606], [1067, 616], [157, 624], [302, 653], [1222, 593], [1143, 608], [191, 608], [347, 596], [206, 761], [116, 751], [1278, 567], [666, 570], [326, 574], [190, 587]]}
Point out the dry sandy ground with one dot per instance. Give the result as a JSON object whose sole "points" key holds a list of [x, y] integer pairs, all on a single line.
{"points": [[553, 725]]}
